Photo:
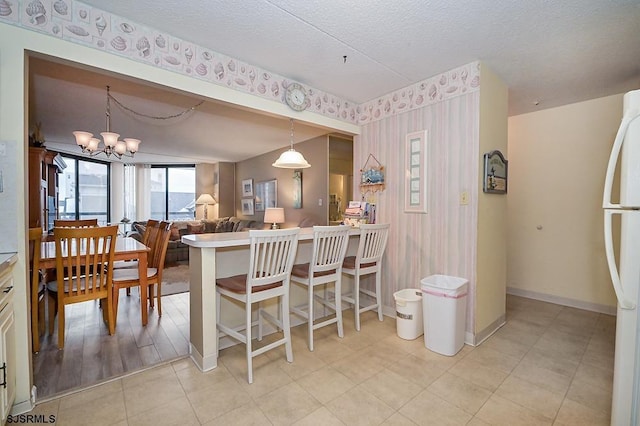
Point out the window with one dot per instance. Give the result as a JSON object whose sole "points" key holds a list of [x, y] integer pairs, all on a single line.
{"points": [[84, 190], [173, 192]]}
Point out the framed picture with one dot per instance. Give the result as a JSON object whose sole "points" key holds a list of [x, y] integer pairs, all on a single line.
{"points": [[247, 207], [415, 185], [297, 189], [266, 194], [247, 187], [495, 173]]}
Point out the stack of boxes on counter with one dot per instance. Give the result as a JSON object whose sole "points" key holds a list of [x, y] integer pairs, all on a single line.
{"points": [[359, 212]]}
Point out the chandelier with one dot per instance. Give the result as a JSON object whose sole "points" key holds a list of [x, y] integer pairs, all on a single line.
{"points": [[291, 159], [112, 145]]}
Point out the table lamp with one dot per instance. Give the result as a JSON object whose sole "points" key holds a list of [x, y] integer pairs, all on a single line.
{"points": [[274, 215], [205, 199]]}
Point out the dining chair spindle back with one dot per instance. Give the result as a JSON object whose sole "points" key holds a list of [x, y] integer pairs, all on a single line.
{"points": [[74, 223], [130, 277], [84, 269]]}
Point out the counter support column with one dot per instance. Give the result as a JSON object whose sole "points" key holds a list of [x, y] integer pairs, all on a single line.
{"points": [[202, 290]]}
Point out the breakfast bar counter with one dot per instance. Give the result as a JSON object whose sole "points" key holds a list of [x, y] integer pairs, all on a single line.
{"points": [[220, 255]]}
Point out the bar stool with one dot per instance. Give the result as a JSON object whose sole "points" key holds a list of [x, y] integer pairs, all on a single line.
{"points": [[329, 248], [368, 260], [271, 257]]}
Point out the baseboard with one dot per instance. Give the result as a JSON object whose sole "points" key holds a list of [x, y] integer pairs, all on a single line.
{"points": [[487, 331], [203, 364], [564, 301], [22, 407]]}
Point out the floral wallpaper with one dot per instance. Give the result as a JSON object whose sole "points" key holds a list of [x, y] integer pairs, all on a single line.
{"points": [[79, 23]]}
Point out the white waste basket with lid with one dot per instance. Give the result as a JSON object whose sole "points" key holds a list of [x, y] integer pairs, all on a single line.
{"points": [[444, 301], [409, 321]]}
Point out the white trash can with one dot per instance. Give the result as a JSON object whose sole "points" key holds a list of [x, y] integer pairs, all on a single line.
{"points": [[444, 301], [409, 321]]}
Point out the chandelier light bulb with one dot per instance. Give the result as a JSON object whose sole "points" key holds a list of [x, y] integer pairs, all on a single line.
{"points": [[110, 139], [93, 144], [82, 138]]}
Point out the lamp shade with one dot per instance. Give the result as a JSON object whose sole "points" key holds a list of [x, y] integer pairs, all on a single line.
{"points": [[274, 215], [205, 199], [291, 159]]}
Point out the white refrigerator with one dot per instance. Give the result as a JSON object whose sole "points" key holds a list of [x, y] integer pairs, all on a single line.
{"points": [[625, 272]]}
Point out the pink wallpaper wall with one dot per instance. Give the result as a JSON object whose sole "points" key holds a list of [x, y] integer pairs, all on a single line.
{"points": [[442, 241]]}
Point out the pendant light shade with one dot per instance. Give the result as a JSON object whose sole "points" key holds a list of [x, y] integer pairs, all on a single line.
{"points": [[291, 159]]}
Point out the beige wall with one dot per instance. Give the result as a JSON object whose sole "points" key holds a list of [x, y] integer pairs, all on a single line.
{"points": [[225, 190], [557, 163], [315, 182], [205, 185], [218, 180], [492, 209]]}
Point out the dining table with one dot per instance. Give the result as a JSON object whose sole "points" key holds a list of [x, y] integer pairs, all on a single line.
{"points": [[127, 248]]}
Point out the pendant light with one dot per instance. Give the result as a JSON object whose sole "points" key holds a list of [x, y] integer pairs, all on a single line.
{"points": [[291, 159]]}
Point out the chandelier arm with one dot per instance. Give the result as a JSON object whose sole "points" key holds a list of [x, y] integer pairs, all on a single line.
{"points": [[155, 117]]}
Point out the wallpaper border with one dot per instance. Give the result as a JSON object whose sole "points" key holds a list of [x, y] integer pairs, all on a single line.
{"points": [[79, 23]]}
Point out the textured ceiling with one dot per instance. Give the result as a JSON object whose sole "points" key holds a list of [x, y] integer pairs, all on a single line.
{"points": [[550, 53]]}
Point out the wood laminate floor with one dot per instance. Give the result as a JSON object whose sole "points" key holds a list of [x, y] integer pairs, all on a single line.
{"points": [[90, 355]]}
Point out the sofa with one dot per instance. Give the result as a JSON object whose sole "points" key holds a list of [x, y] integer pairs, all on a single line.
{"points": [[177, 251]]}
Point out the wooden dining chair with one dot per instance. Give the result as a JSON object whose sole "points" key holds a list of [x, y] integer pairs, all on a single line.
{"points": [[329, 247], [37, 288], [271, 256], [148, 239], [130, 277], [52, 302], [91, 251], [368, 260], [73, 223]]}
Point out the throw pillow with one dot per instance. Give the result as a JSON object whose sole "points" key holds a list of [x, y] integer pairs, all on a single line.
{"points": [[209, 225], [139, 227], [175, 233], [195, 229], [220, 226]]}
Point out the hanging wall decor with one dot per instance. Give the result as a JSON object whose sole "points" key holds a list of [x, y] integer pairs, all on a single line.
{"points": [[495, 173], [247, 187], [372, 175], [297, 189], [415, 184]]}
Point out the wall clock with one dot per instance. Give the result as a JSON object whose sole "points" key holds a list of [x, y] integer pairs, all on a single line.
{"points": [[296, 97]]}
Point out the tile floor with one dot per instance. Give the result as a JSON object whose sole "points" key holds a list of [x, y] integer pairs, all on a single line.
{"points": [[548, 365]]}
